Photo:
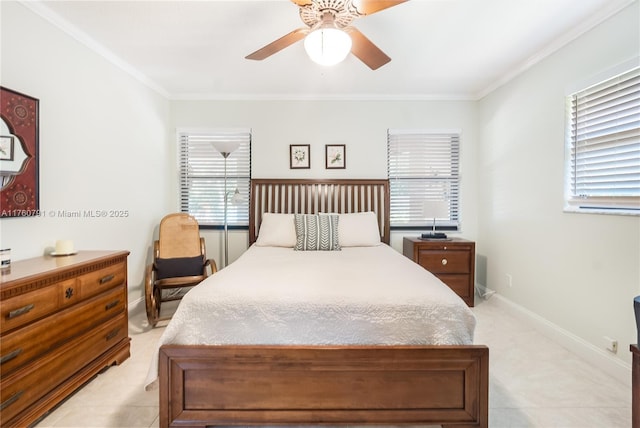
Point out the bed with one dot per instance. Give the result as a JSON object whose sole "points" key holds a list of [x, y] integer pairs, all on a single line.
{"points": [[366, 337]]}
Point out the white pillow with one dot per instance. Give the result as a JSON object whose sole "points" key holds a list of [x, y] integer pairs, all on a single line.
{"points": [[277, 230], [359, 230]]}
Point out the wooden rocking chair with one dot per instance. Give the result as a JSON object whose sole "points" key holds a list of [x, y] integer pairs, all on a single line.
{"points": [[179, 261]]}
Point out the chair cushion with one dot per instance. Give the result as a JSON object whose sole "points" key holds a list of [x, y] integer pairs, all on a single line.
{"points": [[179, 266]]}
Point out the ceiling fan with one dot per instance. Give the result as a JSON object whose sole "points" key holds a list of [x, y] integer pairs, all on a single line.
{"points": [[327, 18]]}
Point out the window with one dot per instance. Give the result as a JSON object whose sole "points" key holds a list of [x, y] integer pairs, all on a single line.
{"points": [[423, 167], [202, 188], [603, 147]]}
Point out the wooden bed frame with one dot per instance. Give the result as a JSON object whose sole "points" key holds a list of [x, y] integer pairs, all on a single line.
{"points": [[203, 386]]}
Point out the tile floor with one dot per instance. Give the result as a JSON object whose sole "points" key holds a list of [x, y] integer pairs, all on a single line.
{"points": [[533, 383]]}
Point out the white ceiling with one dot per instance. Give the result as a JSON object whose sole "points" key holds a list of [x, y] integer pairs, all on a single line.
{"points": [[440, 49]]}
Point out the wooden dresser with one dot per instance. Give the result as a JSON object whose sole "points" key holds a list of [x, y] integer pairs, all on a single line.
{"points": [[453, 261], [635, 385], [64, 319]]}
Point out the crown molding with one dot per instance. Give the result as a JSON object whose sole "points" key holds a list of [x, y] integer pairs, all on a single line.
{"points": [[39, 8], [556, 45], [320, 97]]}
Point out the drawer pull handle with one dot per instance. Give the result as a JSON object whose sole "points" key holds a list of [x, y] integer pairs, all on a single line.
{"points": [[106, 279], [11, 400], [112, 305], [10, 356], [444, 262], [21, 311], [113, 334]]}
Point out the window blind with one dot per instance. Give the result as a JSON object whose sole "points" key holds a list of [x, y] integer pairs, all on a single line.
{"points": [[604, 146], [423, 166], [202, 189]]}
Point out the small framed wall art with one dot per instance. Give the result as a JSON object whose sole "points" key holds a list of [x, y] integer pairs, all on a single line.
{"points": [[299, 156], [335, 155]]}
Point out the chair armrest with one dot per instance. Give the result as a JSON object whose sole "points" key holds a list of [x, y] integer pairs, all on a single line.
{"points": [[212, 264]]}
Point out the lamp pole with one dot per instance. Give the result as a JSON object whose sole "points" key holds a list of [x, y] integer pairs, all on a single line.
{"points": [[225, 155], [225, 148]]}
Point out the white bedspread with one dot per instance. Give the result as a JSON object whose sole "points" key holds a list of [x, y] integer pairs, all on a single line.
{"points": [[362, 295]]}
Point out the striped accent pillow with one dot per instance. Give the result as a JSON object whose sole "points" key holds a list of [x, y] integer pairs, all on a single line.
{"points": [[316, 232]]}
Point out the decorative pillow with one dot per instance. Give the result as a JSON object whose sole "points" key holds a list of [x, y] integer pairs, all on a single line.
{"points": [[316, 232], [277, 230], [179, 266], [359, 230]]}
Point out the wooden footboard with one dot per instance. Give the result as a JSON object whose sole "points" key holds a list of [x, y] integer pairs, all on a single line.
{"points": [[257, 385]]}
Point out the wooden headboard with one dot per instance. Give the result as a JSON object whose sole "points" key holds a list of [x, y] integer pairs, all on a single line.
{"points": [[291, 196]]}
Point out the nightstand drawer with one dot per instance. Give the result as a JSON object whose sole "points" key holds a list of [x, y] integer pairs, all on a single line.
{"points": [[458, 283], [444, 261]]}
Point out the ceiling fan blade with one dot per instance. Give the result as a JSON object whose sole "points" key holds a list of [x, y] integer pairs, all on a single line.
{"points": [[302, 2], [367, 7], [366, 51], [278, 45]]}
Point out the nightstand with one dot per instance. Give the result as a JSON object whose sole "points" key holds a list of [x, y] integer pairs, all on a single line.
{"points": [[452, 260]]}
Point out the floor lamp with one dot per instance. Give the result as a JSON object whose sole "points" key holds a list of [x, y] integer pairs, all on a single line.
{"points": [[225, 148]]}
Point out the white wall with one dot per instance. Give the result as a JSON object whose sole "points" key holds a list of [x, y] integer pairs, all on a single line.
{"points": [[578, 271], [361, 125], [103, 144]]}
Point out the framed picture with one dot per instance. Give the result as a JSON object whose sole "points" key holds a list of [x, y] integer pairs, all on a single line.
{"points": [[19, 157], [6, 147], [335, 156], [299, 156]]}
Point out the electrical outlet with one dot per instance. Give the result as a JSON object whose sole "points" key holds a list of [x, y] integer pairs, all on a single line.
{"points": [[509, 280], [611, 344]]}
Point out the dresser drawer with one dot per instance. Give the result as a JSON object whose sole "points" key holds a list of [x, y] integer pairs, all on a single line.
{"points": [[103, 279], [37, 304], [26, 386], [449, 261], [28, 343], [28, 307]]}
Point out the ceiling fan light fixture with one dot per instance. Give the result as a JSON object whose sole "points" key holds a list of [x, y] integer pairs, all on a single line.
{"points": [[327, 46]]}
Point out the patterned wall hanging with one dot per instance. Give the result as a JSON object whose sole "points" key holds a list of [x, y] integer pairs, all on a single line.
{"points": [[18, 154]]}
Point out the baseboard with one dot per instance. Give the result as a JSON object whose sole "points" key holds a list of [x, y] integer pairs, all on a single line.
{"points": [[614, 367]]}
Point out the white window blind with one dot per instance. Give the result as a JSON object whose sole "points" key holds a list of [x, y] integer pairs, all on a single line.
{"points": [[603, 142], [423, 166], [202, 190]]}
